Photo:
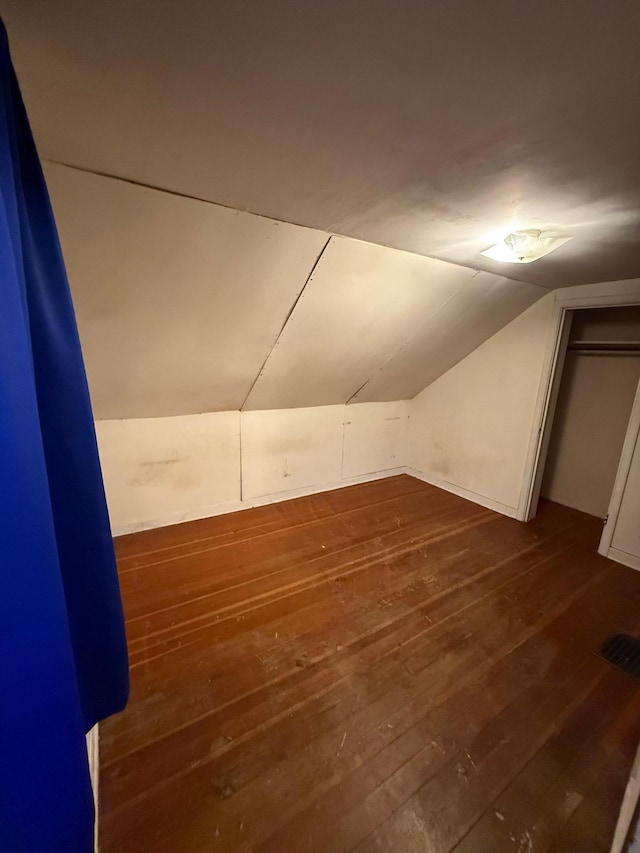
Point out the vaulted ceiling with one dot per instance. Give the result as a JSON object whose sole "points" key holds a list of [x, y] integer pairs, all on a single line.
{"points": [[406, 137], [185, 306], [424, 126]]}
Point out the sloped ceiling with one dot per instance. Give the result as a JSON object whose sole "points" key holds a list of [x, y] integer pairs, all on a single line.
{"points": [[279, 204], [178, 302], [375, 324], [423, 126], [185, 306]]}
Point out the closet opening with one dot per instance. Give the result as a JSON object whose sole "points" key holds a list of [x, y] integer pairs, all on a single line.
{"points": [[590, 423]]}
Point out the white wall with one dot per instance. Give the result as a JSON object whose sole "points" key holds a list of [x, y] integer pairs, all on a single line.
{"points": [[589, 426], [473, 429], [375, 437], [289, 449], [470, 428], [175, 468], [165, 470]]}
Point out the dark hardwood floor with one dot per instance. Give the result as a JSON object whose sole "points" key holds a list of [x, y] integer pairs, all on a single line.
{"points": [[386, 667]]}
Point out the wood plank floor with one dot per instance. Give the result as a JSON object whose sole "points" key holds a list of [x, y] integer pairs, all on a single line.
{"points": [[386, 667]]}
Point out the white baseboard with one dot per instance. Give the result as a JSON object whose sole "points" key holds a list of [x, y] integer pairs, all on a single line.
{"points": [[120, 529], [234, 506], [489, 503], [622, 557], [263, 500], [93, 752]]}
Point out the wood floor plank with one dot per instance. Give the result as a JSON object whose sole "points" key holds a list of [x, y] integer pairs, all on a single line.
{"points": [[450, 597], [538, 803], [445, 607], [382, 667], [272, 516], [377, 787]]}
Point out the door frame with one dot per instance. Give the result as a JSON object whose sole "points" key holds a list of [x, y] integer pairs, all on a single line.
{"points": [[621, 294], [622, 475]]}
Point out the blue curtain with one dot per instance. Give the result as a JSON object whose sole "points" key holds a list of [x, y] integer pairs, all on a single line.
{"points": [[63, 657]]}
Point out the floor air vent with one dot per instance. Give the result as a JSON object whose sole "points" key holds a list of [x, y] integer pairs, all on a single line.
{"points": [[623, 651]]}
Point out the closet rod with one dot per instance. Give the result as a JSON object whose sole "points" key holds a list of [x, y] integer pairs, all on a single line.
{"points": [[621, 347]]}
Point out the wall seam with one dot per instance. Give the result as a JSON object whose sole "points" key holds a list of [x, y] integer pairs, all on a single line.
{"points": [[240, 448], [344, 428], [286, 320], [156, 188], [429, 320], [411, 337]]}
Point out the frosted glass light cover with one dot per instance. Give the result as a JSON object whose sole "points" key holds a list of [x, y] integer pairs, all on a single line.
{"points": [[524, 247]]}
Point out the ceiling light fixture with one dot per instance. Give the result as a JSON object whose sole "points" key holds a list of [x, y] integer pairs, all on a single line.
{"points": [[526, 246]]}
